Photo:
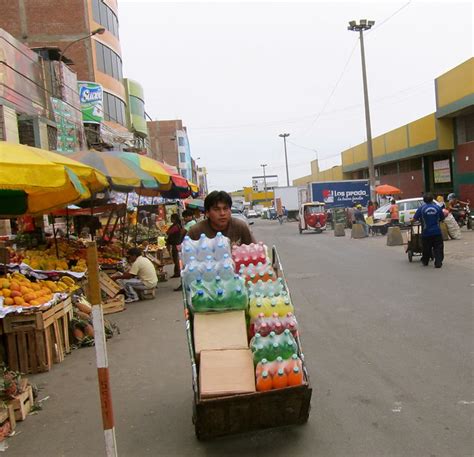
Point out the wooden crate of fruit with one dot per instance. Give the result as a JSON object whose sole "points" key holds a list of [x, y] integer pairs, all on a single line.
{"points": [[7, 421], [36, 340], [22, 402]]}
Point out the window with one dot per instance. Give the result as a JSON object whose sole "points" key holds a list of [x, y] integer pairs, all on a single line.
{"points": [[413, 204], [99, 52], [114, 109], [180, 141], [104, 16], [108, 61], [137, 106], [182, 157]]}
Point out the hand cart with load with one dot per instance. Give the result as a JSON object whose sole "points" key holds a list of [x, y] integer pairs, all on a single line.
{"points": [[414, 246], [225, 415]]}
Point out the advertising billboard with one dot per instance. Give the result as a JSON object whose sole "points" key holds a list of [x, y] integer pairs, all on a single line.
{"points": [[442, 171], [341, 194], [91, 97]]}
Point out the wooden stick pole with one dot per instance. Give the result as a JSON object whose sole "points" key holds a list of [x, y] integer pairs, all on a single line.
{"points": [[101, 351]]}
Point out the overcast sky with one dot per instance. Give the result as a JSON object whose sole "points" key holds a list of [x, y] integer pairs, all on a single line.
{"points": [[238, 74]]}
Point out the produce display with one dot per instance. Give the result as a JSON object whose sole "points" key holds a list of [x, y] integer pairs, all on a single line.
{"points": [[17, 290], [82, 328]]}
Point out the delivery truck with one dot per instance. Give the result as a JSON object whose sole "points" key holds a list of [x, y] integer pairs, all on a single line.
{"points": [[340, 194], [290, 197]]}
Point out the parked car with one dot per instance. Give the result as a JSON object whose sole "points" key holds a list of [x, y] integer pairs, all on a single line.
{"points": [[251, 213], [239, 215], [406, 209]]}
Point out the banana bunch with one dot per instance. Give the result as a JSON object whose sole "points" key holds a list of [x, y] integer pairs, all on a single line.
{"points": [[67, 284], [18, 277]]}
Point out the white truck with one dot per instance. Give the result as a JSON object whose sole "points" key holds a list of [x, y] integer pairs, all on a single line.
{"points": [[291, 198]]}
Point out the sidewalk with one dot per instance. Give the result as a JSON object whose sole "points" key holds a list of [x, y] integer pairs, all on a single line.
{"points": [[456, 252]]}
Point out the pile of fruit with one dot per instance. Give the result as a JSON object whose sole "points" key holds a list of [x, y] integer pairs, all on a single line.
{"points": [[81, 324], [17, 290]]}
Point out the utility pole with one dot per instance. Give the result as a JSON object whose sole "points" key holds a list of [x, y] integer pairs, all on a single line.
{"points": [[363, 25], [263, 165], [98, 31], [284, 136]]}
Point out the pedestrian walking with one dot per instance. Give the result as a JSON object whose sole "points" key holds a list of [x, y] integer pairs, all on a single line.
{"points": [[370, 208], [394, 214], [430, 215]]}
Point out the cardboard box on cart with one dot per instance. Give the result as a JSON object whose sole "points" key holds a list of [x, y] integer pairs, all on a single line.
{"points": [[224, 330], [226, 372]]}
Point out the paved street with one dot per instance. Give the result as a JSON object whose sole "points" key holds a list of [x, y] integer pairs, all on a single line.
{"points": [[389, 347]]}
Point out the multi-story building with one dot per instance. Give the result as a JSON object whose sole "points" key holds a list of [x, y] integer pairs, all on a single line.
{"points": [[52, 24], [136, 121], [432, 154], [169, 143], [36, 107]]}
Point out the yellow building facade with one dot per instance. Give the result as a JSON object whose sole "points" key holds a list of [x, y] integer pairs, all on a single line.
{"points": [[433, 153]]}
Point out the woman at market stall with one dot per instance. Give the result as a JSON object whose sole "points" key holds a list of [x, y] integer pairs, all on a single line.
{"points": [[174, 238]]}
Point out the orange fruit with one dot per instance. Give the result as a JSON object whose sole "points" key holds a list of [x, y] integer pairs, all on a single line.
{"points": [[14, 285], [6, 292], [15, 293], [5, 284], [35, 287], [8, 301], [23, 290], [19, 301], [29, 297], [34, 302]]}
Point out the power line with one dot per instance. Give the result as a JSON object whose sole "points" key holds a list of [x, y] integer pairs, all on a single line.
{"points": [[390, 17], [334, 89]]}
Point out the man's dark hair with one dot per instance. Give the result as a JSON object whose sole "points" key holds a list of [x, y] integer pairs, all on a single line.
{"points": [[428, 197], [215, 197], [134, 252], [393, 201], [187, 213], [175, 218]]}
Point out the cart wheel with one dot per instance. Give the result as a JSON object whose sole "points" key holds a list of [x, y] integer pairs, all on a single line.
{"points": [[410, 255]]}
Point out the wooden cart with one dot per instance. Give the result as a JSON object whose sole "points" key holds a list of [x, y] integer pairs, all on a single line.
{"points": [[214, 417]]}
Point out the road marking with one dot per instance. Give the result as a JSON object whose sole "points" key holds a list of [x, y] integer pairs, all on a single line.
{"points": [[464, 402]]}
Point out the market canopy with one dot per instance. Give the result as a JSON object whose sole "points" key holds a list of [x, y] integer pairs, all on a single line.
{"points": [[122, 174], [195, 203], [386, 189], [148, 165], [30, 183]]}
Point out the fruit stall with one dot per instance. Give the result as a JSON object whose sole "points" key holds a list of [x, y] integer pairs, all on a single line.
{"points": [[247, 362]]}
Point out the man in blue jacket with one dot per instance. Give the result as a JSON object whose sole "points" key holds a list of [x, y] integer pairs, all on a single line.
{"points": [[430, 215]]}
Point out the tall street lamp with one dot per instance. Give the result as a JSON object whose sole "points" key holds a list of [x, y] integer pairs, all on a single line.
{"points": [[284, 136], [263, 165], [360, 27], [98, 31]]}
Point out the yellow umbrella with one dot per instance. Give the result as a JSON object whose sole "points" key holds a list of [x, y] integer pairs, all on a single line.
{"points": [[94, 179], [32, 184]]}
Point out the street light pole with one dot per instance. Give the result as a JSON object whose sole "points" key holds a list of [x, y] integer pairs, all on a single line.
{"points": [[98, 31], [363, 25], [284, 136], [263, 165]]}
